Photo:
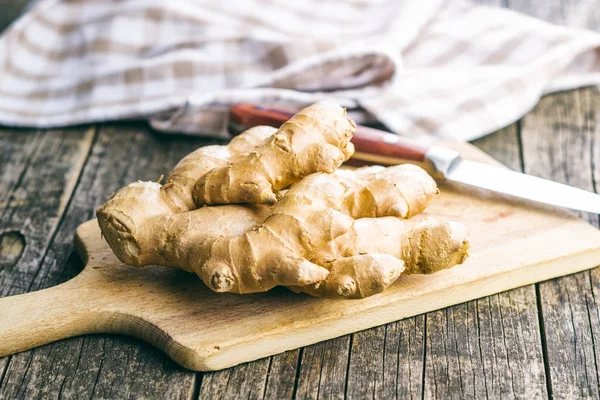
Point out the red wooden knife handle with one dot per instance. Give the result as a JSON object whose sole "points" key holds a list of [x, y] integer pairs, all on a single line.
{"points": [[372, 146]]}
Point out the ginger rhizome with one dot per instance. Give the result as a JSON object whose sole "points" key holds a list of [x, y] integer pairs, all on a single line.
{"points": [[271, 208], [317, 139]]}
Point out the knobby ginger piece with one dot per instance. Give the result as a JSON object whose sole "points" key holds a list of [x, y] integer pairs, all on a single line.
{"points": [[332, 233], [317, 139]]}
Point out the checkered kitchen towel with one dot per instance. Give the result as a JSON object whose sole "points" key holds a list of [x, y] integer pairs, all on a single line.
{"points": [[445, 68]]}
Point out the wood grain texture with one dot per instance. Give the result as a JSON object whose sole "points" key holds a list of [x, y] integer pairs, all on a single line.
{"points": [[242, 381], [38, 174], [486, 347], [269, 378], [281, 375], [568, 304], [202, 330], [387, 362], [454, 364], [42, 170], [323, 369], [504, 146], [107, 366], [477, 348]]}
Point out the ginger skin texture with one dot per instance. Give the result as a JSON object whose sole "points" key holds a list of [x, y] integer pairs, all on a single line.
{"points": [[317, 139], [271, 208]]}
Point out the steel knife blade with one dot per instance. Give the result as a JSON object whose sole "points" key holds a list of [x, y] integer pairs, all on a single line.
{"points": [[505, 181]]}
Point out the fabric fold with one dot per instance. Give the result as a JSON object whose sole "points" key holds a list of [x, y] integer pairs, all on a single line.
{"points": [[449, 69]]}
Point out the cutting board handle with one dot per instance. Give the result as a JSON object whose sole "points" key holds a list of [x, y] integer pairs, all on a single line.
{"points": [[33, 319]]}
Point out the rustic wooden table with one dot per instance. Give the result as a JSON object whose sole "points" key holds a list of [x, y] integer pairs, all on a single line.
{"points": [[536, 341]]}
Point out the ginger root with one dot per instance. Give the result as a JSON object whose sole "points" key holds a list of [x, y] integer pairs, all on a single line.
{"points": [[332, 233], [317, 139]]}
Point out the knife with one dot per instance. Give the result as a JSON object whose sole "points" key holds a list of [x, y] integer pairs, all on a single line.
{"points": [[374, 146]]}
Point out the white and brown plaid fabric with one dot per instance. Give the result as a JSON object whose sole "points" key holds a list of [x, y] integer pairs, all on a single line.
{"points": [[445, 68]]}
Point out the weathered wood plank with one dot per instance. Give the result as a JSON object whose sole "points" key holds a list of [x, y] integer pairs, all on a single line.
{"points": [[270, 378], [317, 371], [323, 369], [243, 381], [560, 142], [571, 321], [504, 146], [476, 349], [281, 378], [558, 138], [387, 362], [509, 330], [366, 367], [38, 171], [486, 348], [37, 191], [103, 366], [453, 363]]}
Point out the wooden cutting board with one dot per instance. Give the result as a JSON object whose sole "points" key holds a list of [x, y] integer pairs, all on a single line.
{"points": [[514, 243]]}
